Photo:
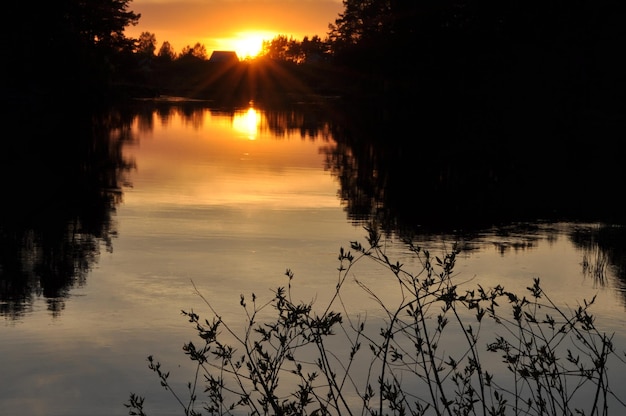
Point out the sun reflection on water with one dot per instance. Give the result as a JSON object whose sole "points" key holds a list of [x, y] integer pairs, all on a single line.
{"points": [[247, 122]]}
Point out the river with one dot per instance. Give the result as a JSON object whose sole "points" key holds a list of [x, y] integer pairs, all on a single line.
{"points": [[104, 245]]}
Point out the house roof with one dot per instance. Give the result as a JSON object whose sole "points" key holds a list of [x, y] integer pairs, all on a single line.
{"points": [[224, 56]]}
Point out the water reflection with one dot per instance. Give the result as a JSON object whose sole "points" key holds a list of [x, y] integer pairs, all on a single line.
{"points": [[68, 172], [63, 174], [604, 253], [418, 177], [247, 122], [602, 246], [415, 174], [210, 205], [304, 120]]}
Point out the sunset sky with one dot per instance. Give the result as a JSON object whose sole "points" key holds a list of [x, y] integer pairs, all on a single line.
{"points": [[238, 25]]}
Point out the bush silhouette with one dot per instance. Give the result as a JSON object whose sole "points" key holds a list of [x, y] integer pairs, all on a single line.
{"points": [[427, 357]]}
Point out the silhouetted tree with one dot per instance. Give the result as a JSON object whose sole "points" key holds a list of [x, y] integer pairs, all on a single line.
{"points": [[146, 44], [277, 48], [72, 47], [166, 52], [314, 49], [541, 66], [198, 51], [283, 48]]}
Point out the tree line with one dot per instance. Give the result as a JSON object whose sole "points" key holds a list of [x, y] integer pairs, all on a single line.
{"points": [[281, 47], [445, 50]]}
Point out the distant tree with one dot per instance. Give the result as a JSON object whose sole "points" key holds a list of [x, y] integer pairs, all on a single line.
{"points": [[198, 51], [294, 51], [283, 48], [276, 48], [146, 44], [166, 52], [314, 48]]}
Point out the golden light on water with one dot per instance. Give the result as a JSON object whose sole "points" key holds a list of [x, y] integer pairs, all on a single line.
{"points": [[247, 123], [215, 160]]}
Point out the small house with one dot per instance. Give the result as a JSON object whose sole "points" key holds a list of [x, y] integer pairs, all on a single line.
{"points": [[224, 57]]}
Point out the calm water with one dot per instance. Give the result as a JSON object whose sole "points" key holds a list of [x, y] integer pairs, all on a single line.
{"points": [[227, 200]]}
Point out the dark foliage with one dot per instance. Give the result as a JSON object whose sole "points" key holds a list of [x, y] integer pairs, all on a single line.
{"points": [[67, 50]]}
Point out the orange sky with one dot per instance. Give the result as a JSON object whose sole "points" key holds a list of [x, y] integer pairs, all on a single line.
{"points": [[222, 24]]}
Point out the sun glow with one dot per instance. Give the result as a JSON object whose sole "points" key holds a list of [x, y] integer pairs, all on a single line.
{"points": [[247, 123], [248, 45]]}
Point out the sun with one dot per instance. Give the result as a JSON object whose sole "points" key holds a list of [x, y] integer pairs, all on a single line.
{"points": [[248, 45]]}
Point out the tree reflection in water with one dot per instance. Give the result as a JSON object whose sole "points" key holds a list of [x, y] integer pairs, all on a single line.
{"points": [[604, 249], [410, 173], [415, 173], [63, 171]]}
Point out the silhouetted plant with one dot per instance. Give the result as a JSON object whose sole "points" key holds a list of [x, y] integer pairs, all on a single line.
{"points": [[287, 363]]}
